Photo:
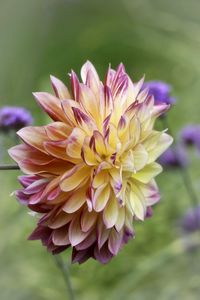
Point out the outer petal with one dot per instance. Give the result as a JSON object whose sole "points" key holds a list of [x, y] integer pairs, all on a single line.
{"points": [[51, 105], [148, 172], [60, 88], [156, 144]]}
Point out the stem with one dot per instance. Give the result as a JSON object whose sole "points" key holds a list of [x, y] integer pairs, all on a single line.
{"points": [[189, 186], [9, 167], [184, 172], [66, 275]]}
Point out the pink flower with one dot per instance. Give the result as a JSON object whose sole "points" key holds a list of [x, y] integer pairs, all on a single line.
{"points": [[90, 173]]}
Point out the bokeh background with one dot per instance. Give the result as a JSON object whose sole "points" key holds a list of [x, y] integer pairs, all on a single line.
{"points": [[158, 38]]}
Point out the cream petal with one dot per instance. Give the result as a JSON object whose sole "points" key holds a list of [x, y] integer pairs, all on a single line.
{"points": [[120, 219], [101, 197], [88, 219], [148, 172], [140, 156], [74, 178], [60, 88], [110, 213], [76, 235], [75, 201], [34, 136], [88, 66], [156, 144], [137, 202]]}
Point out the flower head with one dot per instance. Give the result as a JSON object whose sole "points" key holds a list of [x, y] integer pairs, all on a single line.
{"points": [[161, 91], [191, 220], [90, 173], [174, 157], [12, 117], [190, 135]]}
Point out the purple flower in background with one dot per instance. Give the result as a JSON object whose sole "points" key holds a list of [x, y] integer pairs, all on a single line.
{"points": [[13, 117], [174, 157], [190, 135], [161, 92], [191, 221]]}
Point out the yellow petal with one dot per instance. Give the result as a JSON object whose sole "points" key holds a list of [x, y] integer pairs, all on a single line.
{"points": [[101, 197], [75, 201], [74, 178], [137, 202], [148, 172], [110, 213]]}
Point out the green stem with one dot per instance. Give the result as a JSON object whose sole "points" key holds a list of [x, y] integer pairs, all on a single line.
{"points": [[66, 275], [9, 167]]}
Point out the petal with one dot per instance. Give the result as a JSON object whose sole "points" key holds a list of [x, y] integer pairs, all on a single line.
{"points": [[51, 105], [116, 180], [60, 236], [137, 202], [34, 136], [87, 242], [75, 142], [75, 85], [57, 131], [75, 201], [61, 219], [101, 197], [74, 178], [102, 234], [89, 103], [76, 235], [148, 172], [60, 88], [103, 255], [120, 219], [140, 156], [88, 219], [110, 213], [156, 144], [88, 154], [86, 68], [115, 241]]}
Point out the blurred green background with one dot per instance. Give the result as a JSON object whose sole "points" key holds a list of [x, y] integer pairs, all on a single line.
{"points": [[158, 38]]}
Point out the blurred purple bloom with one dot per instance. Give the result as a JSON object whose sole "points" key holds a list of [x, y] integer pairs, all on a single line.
{"points": [[174, 157], [191, 221], [190, 135], [161, 92], [12, 117]]}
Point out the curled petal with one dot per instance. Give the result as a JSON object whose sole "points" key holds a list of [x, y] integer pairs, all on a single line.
{"points": [[60, 88], [51, 105]]}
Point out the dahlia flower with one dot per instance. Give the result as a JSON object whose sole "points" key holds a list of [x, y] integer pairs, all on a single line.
{"points": [[161, 91], [14, 118], [90, 173]]}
